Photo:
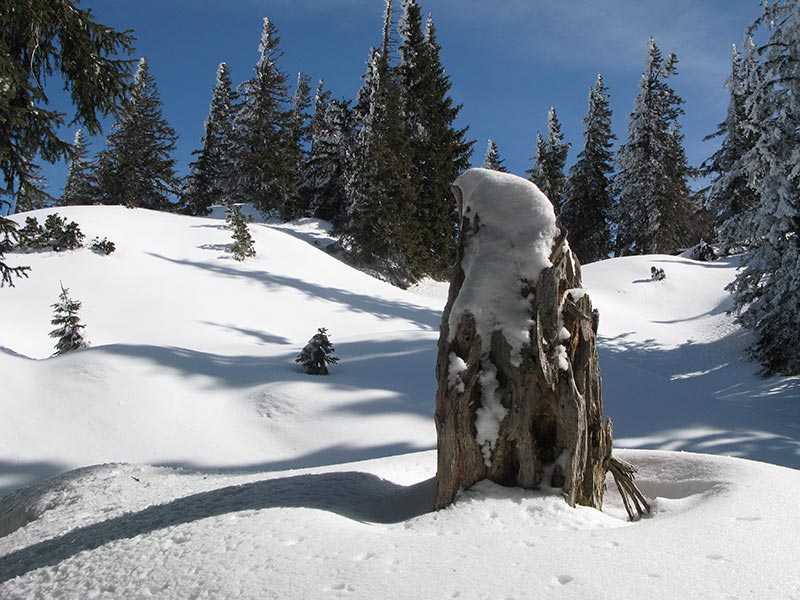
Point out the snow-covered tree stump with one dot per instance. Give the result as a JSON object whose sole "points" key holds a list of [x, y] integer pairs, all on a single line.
{"points": [[519, 393]]}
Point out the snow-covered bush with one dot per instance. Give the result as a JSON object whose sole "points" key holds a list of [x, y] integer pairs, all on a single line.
{"points": [[318, 354], [103, 246], [657, 274], [56, 234]]}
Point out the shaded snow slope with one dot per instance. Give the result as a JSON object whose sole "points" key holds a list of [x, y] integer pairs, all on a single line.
{"points": [[675, 373]]}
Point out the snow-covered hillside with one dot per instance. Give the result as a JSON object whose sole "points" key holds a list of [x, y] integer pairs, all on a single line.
{"points": [[233, 472]]}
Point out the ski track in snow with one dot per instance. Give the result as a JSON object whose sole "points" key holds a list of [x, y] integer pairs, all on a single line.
{"points": [[186, 455]]}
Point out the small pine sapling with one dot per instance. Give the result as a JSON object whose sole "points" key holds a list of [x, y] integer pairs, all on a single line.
{"points": [[243, 246], [318, 354], [68, 331]]}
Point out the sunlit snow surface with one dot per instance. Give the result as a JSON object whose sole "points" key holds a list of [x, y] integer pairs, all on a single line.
{"points": [[243, 482]]}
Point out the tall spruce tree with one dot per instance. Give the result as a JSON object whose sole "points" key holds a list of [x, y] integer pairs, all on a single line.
{"points": [[38, 40], [212, 174], [297, 138], [264, 173], [588, 202], [78, 188], [655, 211], [136, 168], [492, 160], [551, 158], [327, 168], [379, 229], [731, 193], [439, 151], [766, 290]]}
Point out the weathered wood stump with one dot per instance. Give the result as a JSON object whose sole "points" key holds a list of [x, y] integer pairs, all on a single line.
{"points": [[519, 392]]}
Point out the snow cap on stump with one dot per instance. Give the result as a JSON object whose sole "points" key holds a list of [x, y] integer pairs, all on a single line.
{"points": [[517, 231]]}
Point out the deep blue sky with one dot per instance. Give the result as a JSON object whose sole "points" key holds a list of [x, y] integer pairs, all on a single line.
{"points": [[509, 60]]}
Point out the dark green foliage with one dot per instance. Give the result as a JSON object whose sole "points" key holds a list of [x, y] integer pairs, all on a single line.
{"points": [[401, 217], [103, 246], [265, 177], [317, 354], [69, 330], [438, 150], [297, 139], [656, 211], [548, 164], [492, 160], [332, 133], [79, 188], [588, 203], [8, 238], [40, 39], [136, 168], [211, 176], [56, 234], [243, 245]]}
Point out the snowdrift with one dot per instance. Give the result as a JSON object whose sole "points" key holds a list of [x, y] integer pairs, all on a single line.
{"points": [[193, 458]]}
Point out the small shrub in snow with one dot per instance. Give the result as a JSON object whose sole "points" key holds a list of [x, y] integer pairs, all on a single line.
{"points": [[703, 252], [318, 354], [103, 246], [243, 246], [657, 274], [56, 234], [68, 331]]}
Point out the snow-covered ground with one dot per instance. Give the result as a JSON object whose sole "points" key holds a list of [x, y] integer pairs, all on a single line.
{"points": [[186, 455]]}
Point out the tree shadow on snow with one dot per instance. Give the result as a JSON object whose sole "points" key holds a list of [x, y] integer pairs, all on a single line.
{"points": [[358, 496], [699, 397], [424, 317]]}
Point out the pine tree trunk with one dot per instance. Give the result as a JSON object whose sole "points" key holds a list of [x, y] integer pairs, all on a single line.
{"points": [[551, 430]]}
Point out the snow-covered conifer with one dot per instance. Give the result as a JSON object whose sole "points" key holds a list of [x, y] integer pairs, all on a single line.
{"points": [[8, 237], [78, 188], [136, 168], [548, 164], [69, 329], [492, 160], [588, 203], [767, 290], [731, 195], [243, 244], [655, 212], [211, 176], [318, 354], [261, 123]]}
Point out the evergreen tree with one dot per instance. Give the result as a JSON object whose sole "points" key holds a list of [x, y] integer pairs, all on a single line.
{"points": [[211, 175], [380, 188], [325, 185], [655, 211], [298, 134], [69, 330], [317, 354], [264, 173], [588, 203], [136, 168], [78, 188], [766, 291], [438, 150], [8, 238], [40, 39], [243, 245], [491, 159], [31, 193], [548, 164]]}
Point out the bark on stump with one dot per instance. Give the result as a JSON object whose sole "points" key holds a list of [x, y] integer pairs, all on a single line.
{"points": [[544, 393]]}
